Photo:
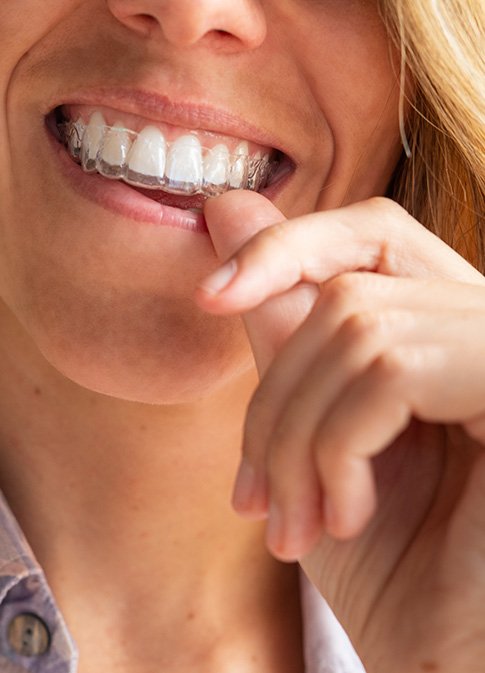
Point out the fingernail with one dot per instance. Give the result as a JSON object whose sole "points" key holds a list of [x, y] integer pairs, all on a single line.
{"points": [[274, 530], [220, 279], [244, 487]]}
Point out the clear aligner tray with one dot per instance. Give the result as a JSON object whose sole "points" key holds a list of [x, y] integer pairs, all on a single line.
{"points": [[234, 171]]}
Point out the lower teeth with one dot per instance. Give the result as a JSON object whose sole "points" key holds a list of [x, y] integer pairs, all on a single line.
{"points": [[112, 152]]}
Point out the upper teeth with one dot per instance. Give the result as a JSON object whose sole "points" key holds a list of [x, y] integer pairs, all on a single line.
{"points": [[146, 159]]}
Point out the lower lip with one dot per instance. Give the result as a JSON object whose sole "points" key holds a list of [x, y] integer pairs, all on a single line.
{"points": [[121, 199]]}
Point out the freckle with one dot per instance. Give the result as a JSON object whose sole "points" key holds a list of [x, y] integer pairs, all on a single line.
{"points": [[190, 616], [143, 427], [429, 666], [37, 390]]}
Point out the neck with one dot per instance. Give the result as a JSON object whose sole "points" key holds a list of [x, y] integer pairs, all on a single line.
{"points": [[128, 496]]}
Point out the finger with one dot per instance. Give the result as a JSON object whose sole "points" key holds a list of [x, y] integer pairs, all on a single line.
{"points": [[406, 381], [296, 514], [294, 525], [280, 448], [359, 296], [232, 219], [235, 217], [367, 417], [375, 235], [361, 340], [350, 324]]}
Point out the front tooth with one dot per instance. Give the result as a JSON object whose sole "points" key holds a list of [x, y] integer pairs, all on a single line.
{"points": [[216, 169], [184, 170], [93, 135], [147, 158], [114, 149], [239, 170]]}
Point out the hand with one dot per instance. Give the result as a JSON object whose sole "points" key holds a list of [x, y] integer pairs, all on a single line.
{"points": [[368, 352]]}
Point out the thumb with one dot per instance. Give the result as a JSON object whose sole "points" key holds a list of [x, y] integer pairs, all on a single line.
{"points": [[232, 219]]}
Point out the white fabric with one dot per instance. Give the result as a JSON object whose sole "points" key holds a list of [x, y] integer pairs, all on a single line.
{"points": [[327, 648]]}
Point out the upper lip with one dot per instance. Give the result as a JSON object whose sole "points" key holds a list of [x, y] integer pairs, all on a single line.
{"points": [[161, 108]]}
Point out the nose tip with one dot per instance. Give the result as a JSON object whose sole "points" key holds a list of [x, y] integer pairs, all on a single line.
{"points": [[229, 25]]}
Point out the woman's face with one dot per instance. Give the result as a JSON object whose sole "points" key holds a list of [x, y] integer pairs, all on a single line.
{"points": [[103, 290]]}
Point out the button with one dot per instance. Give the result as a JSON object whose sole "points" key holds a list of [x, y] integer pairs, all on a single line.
{"points": [[28, 635]]}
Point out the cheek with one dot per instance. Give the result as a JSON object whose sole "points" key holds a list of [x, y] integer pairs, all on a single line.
{"points": [[355, 77], [351, 73], [23, 23]]}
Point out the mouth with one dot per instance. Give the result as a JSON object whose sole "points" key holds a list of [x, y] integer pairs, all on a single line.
{"points": [[170, 165]]}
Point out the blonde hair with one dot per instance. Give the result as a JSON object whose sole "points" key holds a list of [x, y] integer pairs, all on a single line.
{"points": [[442, 181]]}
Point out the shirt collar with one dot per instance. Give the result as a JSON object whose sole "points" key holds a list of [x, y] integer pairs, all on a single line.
{"points": [[24, 589]]}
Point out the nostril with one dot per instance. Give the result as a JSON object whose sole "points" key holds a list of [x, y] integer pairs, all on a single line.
{"points": [[147, 19], [231, 25], [144, 24]]}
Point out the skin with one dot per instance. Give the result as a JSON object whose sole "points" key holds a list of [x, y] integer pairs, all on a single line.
{"points": [[396, 351], [117, 381]]}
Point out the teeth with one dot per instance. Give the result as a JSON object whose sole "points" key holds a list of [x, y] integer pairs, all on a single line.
{"points": [[258, 171], [238, 175], [113, 152], [145, 159], [184, 165], [74, 140], [216, 169], [91, 142]]}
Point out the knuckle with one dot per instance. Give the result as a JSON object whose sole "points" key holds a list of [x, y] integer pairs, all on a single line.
{"points": [[278, 231], [338, 455], [391, 365], [385, 206], [392, 214], [362, 328], [339, 292]]}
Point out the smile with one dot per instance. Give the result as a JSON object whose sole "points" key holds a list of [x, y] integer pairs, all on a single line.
{"points": [[162, 157]]}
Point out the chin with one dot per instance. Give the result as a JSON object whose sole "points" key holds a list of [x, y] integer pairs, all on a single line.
{"points": [[169, 380], [168, 367], [171, 388]]}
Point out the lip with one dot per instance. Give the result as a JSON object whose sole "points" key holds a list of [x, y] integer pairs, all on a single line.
{"points": [[160, 108], [120, 198]]}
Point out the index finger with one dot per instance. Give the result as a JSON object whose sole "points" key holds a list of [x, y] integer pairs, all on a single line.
{"points": [[374, 235]]}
